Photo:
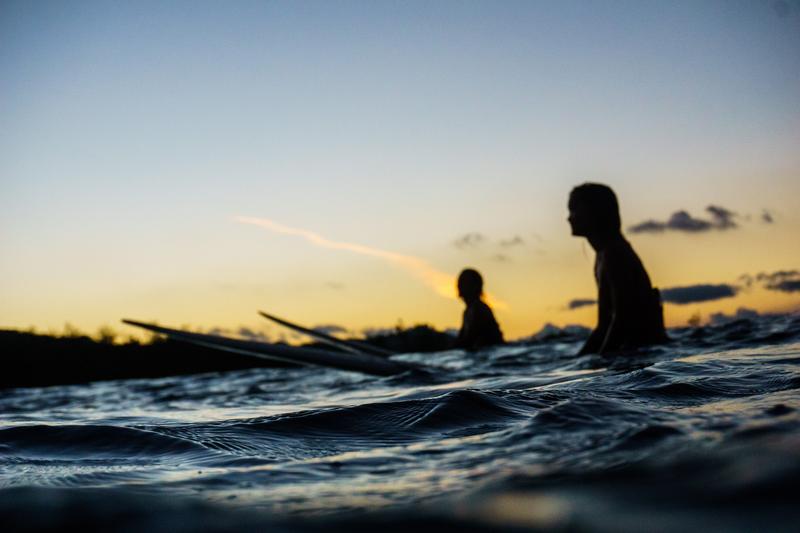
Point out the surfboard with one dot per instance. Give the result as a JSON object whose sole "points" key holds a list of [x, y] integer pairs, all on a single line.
{"points": [[349, 346], [364, 363]]}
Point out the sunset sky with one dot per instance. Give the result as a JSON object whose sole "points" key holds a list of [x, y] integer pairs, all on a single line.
{"points": [[338, 163]]}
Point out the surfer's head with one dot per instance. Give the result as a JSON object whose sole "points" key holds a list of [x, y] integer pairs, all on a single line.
{"points": [[593, 211], [470, 285]]}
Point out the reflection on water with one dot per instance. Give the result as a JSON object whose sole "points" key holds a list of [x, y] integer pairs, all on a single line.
{"points": [[523, 435]]}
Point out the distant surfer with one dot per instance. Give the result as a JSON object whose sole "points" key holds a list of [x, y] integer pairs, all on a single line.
{"points": [[479, 327], [629, 308]]}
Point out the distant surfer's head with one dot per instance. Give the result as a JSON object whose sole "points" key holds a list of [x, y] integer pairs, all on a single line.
{"points": [[470, 284], [593, 210]]}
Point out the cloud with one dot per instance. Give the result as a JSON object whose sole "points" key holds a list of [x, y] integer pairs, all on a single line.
{"points": [[440, 282], [474, 239], [679, 221], [501, 258], [683, 221], [781, 280], [698, 293], [577, 303], [767, 217], [702, 292], [335, 285], [330, 329], [469, 240], [787, 281], [516, 240], [721, 219], [786, 286], [648, 226]]}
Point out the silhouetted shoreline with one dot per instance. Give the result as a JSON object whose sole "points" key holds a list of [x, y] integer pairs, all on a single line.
{"points": [[40, 360], [35, 360]]}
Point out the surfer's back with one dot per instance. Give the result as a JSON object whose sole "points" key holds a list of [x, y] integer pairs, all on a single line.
{"points": [[629, 308], [479, 327], [625, 291]]}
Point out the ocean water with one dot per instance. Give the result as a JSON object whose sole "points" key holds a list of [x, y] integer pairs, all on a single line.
{"points": [[703, 433]]}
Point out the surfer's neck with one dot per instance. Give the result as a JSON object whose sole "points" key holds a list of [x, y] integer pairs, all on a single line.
{"points": [[469, 302], [600, 242]]}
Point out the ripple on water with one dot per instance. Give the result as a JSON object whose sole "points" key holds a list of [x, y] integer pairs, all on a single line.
{"points": [[321, 440]]}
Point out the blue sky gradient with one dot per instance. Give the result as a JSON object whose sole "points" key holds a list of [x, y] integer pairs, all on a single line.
{"points": [[133, 133]]}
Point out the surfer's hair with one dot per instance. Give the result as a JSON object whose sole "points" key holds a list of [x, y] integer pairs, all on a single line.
{"points": [[471, 278], [601, 202]]}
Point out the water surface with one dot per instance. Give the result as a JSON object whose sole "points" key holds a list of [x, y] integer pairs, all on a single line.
{"points": [[521, 435]]}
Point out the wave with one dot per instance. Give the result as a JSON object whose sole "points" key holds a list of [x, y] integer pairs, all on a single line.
{"points": [[316, 440], [89, 442]]}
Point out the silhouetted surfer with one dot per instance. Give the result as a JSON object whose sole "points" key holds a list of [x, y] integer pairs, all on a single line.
{"points": [[629, 308], [479, 327]]}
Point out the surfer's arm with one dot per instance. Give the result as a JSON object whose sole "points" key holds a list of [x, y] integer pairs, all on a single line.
{"points": [[595, 341], [620, 292], [612, 336], [466, 334]]}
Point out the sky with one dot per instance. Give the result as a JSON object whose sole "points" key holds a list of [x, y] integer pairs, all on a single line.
{"points": [[338, 163]]}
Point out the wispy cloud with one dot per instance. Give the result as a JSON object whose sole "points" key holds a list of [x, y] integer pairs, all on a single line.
{"points": [[698, 293], [787, 281], [703, 292], [469, 240], [516, 240], [442, 283], [577, 303], [781, 281], [720, 219]]}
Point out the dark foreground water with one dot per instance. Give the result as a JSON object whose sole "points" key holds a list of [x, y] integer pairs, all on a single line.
{"points": [[703, 434]]}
